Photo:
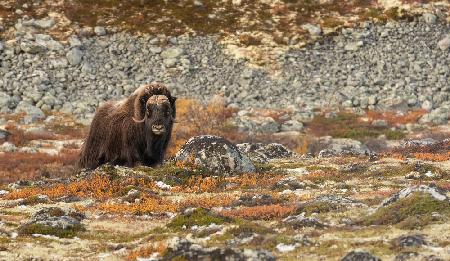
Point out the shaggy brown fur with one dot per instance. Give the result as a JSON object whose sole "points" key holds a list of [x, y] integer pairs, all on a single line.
{"points": [[133, 131]]}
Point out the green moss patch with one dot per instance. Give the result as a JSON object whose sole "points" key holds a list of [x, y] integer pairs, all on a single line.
{"points": [[347, 125], [411, 212], [35, 228], [199, 217]]}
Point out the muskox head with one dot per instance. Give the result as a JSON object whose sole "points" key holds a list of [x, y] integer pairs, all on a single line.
{"points": [[156, 109]]}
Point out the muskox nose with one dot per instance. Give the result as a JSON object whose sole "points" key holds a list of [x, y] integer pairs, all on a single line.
{"points": [[158, 129]]}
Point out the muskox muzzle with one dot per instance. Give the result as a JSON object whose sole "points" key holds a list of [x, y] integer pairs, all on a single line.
{"points": [[158, 129]]}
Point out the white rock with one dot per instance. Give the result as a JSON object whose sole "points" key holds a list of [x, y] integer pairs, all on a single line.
{"points": [[444, 44]]}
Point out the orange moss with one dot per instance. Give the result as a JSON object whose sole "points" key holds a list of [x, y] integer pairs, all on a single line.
{"points": [[146, 251], [208, 202], [261, 212], [98, 187], [432, 156], [148, 205]]}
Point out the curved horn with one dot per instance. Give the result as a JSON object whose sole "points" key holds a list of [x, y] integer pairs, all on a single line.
{"points": [[140, 121]]}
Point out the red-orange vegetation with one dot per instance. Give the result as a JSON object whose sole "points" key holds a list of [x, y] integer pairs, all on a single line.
{"points": [[98, 187], [146, 251], [20, 137], [19, 166], [198, 184], [267, 212], [433, 156], [394, 118], [147, 205], [208, 201]]}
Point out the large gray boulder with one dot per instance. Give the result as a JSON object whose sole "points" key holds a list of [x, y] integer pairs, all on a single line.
{"points": [[215, 154]]}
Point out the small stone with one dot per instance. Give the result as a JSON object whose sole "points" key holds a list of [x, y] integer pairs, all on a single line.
{"points": [[100, 30], [354, 46], [312, 29], [74, 56], [444, 44], [429, 18], [44, 23], [292, 125], [8, 147], [172, 53], [379, 123]]}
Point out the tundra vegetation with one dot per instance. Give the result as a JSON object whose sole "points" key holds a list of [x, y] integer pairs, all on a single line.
{"points": [[314, 207]]}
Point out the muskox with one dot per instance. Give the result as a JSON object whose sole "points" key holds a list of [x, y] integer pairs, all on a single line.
{"points": [[133, 131]]}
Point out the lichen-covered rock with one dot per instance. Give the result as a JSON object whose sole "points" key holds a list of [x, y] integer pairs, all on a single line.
{"points": [[53, 221], [263, 153], [433, 191], [186, 250], [4, 134], [214, 153], [341, 147], [300, 221], [360, 256], [409, 241]]}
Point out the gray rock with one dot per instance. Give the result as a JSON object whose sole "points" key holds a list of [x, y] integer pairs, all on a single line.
{"points": [[292, 125], [30, 110], [44, 23], [410, 241], [263, 153], [360, 256], [56, 221], [437, 116], [429, 18], [340, 147], [6, 102], [32, 47], [172, 53], [8, 147], [301, 221], [379, 123], [100, 30], [170, 62], [74, 56], [74, 41], [48, 42], [257, 124], [431, 190], [4, 134], [353, 46], [184, 249], [312, 29], [444, 44], [215, 154]]}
